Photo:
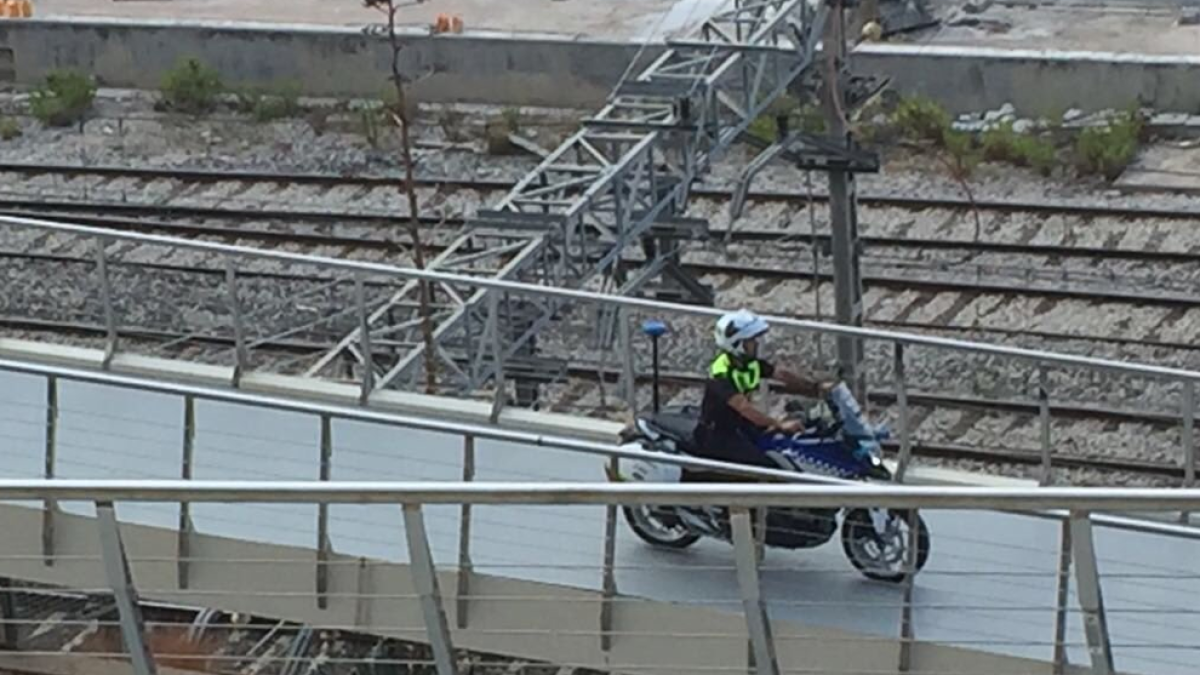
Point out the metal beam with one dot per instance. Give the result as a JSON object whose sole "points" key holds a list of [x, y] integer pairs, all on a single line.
{"points": [[758, 623], [600, 189], [424, 575], [116, 566], [1091, 597]]}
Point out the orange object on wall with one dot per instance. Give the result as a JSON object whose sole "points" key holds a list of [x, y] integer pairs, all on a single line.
{"points": [[447, 24]]}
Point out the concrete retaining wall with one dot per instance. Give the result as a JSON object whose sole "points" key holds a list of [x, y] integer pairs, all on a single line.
{"points": [[328, 61], [1037, 82], [547, 71]]}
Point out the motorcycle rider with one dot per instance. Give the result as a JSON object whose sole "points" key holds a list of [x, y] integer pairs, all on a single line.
{"points": [[730, 424]]}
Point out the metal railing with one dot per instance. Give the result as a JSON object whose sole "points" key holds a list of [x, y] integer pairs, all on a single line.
{"points": [[90, 432], [255, 309], [1130, 609]]}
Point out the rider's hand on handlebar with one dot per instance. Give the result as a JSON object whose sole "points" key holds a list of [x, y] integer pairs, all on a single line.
{"points": [[791, 426]]}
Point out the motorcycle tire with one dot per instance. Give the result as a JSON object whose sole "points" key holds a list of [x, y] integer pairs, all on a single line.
{"points": [[640, 520], [857, 527]]}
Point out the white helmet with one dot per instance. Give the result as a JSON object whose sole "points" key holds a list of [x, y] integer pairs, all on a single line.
{"points": [[736, 327]]}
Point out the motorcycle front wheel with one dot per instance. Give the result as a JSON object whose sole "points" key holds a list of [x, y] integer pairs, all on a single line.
{"points": [[883, 557], [648, 525]]}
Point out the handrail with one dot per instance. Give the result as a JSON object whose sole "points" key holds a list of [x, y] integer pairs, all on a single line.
{"points": [[602, 494], [620, 301], [495, 433], [479, 431]]}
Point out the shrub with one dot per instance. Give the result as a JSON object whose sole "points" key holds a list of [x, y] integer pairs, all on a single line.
{"points": [[370, 121], [920, 118], [1107, 150], [191, 87], [511, 117], [452, 122], [64, 99], [807, 118], [1003, 144], [271, 103], [960, 146], [9, 128]]}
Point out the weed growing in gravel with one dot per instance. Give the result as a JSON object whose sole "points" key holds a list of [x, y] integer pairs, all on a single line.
{"points": [[64, 99], [451, 122], [1003, 144], [511, 117], [496, 134], [370, 120], [807, 118], [267, 104], [191, 87], [1107, 150], [921, 119], [9, 128]]}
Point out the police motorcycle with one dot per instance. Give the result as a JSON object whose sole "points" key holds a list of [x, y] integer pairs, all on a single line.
{"points": [[837, 441]]}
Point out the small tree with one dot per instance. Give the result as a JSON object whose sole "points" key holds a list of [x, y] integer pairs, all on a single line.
{"points": [[400, 115]]}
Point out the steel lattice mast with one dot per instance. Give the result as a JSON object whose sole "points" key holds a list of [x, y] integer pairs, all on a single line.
{"points": [[624, 178]]}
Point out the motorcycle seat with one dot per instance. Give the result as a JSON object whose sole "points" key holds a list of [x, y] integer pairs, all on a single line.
{"points": [[679, 426]]}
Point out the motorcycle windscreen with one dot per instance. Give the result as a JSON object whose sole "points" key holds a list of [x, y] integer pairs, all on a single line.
{"points": [[854, 423]]}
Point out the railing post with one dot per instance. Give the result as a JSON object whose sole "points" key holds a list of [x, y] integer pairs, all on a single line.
{"points": [[464, 538], [608, 584], [1044, 418], [758, 623], [241, 356], [1188, 437], [1064, 591], [1091, 597], [424, 576], [110, 317], [902, 404], [323, 544], [51, 506], [498, 353], [116, 566], [184, 544], [364, 329], [907, 628], [628, 381]]}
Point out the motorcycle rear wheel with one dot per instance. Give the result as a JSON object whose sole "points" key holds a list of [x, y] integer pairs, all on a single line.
{"points": [[886, 559], [649, 528]]}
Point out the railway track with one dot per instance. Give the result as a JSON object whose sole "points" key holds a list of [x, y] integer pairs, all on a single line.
{"points": [[180, 212], [880, 280], [329, 181]]}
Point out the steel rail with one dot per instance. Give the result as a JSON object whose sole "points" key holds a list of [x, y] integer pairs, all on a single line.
{"points": [[700, 192]]}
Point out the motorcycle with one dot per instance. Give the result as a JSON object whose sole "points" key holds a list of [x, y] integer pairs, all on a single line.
{"points": [[837, 441]]}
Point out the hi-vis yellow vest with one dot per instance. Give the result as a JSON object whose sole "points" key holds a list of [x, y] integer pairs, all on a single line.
{"points": [[745, 379]]}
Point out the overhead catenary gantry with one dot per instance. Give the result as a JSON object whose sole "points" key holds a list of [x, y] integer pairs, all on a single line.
{"points": [[623, 179]]}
